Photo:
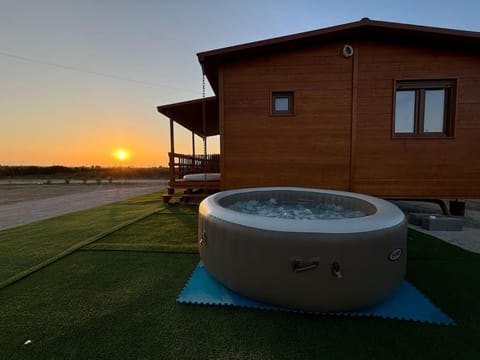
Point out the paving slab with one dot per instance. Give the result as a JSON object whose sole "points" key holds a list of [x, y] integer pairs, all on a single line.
{"points": [[468, 239]]}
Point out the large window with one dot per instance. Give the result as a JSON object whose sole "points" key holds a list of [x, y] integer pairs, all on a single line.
{"points": [[282, 103], [424, 108]]}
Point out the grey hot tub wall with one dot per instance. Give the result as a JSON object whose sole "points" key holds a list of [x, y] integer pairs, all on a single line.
{"points": [[268, 276]]}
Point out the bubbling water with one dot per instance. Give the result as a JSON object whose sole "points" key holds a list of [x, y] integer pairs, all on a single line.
{"points": [[295, 210]]}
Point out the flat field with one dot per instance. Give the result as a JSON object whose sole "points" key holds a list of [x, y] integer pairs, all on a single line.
{"points": [[18, 191], [24, 203]]}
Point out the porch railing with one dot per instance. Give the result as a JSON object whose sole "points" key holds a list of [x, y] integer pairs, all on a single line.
{"points": [[181, 164]]}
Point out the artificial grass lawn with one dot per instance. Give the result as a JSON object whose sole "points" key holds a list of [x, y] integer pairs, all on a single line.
{"points": [[173, 228], [121, 304], [26, 246]]}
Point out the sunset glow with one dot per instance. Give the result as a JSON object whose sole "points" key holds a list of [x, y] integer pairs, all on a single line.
{"points": [[122, 154]]}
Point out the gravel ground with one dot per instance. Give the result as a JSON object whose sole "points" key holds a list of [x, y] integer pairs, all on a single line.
{"points": [[21, 204]]}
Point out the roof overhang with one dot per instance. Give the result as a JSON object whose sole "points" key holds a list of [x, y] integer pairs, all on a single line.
{"points": [[190, 115], [364, 29]]}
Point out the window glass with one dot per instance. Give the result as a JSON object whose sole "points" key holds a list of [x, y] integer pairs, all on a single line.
{"points": [[434, 111], [424, 108], [282, 104], [405, 111]]}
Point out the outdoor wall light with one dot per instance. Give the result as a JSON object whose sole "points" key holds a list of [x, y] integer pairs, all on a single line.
{"points": [[347, 51]]}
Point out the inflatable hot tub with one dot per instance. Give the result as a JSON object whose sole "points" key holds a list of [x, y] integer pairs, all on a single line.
{"points": [[311, 264]]}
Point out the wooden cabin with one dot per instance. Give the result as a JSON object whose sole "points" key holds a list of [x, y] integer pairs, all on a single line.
{"points": [[380, 108]]}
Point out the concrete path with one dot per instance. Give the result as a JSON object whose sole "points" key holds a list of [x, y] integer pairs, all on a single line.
{"points": [[468, 239], [25, 212]]}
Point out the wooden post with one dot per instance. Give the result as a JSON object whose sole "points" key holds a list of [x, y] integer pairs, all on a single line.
{"points": [[204, 126], [172, 153], [193, 153]]}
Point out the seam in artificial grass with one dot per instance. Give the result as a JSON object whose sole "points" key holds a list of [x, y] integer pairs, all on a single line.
{"points": [[70, 250], [124, 247], [162, 213], [189, 252]]}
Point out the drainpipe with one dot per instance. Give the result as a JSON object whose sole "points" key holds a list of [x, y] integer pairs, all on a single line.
{"points": [[352, 51]]}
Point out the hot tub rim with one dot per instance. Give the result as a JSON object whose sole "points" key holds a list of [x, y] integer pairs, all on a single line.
{"points": [[387, 214]]}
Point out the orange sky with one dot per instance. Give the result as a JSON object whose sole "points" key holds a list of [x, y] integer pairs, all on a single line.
{"points": [[83, 125], [97, 145], [86, 140], [82, 139]]}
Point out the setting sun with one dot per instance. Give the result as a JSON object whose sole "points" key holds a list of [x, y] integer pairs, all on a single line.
{"points": [[121, 154]]}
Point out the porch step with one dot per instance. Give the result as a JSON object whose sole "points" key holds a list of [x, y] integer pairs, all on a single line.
{"points": [[167, 198], [186, 198], [193, 198]]}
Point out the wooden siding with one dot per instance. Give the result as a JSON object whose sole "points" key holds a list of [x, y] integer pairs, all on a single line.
{"points": [[415, 167], [311, 148], [317, 146]]}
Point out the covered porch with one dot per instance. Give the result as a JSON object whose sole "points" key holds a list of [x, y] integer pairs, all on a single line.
{"points": [[200, 117]]}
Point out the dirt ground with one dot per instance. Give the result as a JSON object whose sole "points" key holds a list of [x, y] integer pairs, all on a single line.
{"points": [[23, 203], [19, 192]]}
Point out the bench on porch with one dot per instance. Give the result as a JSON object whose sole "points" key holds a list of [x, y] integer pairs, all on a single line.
{"points": [[187, 173]]}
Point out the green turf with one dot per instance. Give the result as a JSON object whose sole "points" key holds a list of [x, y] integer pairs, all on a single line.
{"points": [[121, 304], [26, 246], [165, 231], [449, 275]]}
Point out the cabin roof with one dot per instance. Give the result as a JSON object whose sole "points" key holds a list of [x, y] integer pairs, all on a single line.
{"points": [[363, 29], [189, 114]]}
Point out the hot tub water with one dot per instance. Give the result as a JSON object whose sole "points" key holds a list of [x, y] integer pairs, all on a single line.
{"points": [[295, 210]]}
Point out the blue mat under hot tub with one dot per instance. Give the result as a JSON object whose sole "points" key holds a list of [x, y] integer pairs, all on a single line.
{"points": [[406, 303]]}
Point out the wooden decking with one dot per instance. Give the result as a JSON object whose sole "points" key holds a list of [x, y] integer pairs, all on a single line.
{"points": [[191, 191], [194, 197]]}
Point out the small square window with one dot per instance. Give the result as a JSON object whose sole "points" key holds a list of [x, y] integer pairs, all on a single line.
{"points": [[282, 103]]}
